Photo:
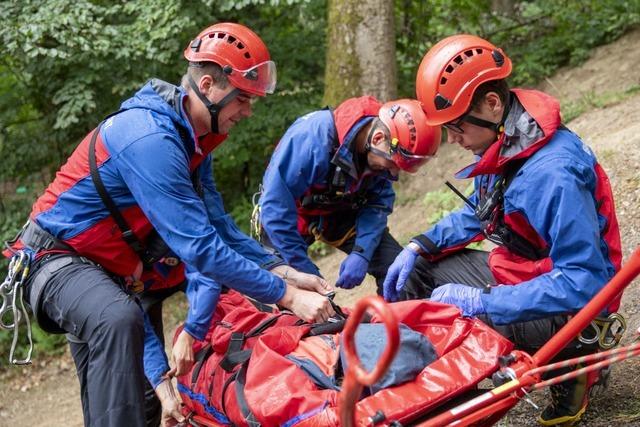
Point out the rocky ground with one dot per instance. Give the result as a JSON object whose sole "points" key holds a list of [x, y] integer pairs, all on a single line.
{"points": [[603, 94]]}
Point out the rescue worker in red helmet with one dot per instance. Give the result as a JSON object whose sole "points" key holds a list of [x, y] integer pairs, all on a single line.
{"points": [[330, 179], [540, 196], [137, 191]]}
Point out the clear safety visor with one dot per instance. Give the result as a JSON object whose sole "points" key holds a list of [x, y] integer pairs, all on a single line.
{"points": [[408, 161], [261, 79]]}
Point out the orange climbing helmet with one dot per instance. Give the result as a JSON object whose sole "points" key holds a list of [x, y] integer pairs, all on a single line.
{"points": [[452, 70]]}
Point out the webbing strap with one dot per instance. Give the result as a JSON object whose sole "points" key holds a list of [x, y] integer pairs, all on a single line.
{"points": [[243, 405], [143, 252], [234, 354], [201, 356], [229, 361], [127, 235]]}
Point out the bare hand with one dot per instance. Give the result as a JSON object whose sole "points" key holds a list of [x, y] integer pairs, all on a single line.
{"points": [[307, 305], [300, 280], [171, 415], [182, 355]]}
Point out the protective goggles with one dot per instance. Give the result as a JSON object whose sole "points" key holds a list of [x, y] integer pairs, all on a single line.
{"points": [[403, 158], [259, 79]]}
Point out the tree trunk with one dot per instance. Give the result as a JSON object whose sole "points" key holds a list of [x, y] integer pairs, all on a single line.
{"points": [[361, 53]]}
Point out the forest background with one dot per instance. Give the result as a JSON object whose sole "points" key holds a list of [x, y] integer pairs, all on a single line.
{"points": [[65, 65]]}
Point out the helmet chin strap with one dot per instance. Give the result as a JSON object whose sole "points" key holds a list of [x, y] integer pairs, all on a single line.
{"points": [[214, 109], [368, 147], [498, 128]]}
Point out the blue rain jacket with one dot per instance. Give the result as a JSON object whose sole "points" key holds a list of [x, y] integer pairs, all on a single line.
{"points": [[301, 163]]}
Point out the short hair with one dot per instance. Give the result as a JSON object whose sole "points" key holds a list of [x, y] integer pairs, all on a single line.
{"points": [[498, 86], [199, 69]]}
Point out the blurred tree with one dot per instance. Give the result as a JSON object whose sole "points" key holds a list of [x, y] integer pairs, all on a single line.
{"points": [[361, 57]]}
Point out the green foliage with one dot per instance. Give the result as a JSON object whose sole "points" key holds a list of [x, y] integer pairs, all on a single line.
{"points": [[45, 344], [538, 35], [441, 203], [319, 249]]}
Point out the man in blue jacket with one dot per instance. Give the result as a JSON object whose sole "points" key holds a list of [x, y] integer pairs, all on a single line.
{"points": [[540, 195], [330, 177], [136, 187]]}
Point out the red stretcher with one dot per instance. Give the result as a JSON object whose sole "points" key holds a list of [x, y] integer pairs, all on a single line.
{"points": [[444, 393], [522, 371]]}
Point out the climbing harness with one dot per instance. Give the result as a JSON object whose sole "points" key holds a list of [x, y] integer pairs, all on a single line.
{"points": [[13, 310]]}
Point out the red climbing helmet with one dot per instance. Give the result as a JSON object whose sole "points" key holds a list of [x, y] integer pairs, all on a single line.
{"points": [[241, 54], [413, 142]]}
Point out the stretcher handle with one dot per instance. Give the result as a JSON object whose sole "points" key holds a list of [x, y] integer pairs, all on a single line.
{"points": [[378, 305], [355, 375]]}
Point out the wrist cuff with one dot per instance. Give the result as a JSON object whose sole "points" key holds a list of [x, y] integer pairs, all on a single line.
{"points": [[426, 244]]}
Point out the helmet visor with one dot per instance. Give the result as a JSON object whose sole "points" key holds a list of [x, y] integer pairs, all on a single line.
{"points": [[260, 79], [408, 161]]}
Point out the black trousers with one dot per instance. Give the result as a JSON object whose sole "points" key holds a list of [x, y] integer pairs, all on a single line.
{"points": [[471, 268], [106, 336]]}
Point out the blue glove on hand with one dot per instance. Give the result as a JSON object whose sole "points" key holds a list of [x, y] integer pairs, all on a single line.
{"points": [[398, 273], [466, 298], [352, 271]]}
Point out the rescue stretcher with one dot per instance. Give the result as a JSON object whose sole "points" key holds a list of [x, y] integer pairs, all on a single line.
{"points": [[445, 392]]}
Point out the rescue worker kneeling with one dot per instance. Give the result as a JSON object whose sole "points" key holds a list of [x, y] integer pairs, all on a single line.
{"points": [[540, 196], [331, 174]]}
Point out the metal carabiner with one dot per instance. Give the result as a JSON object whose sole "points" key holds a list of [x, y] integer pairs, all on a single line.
{"points": [[7, 291], [11, 292], [611, 335], [596, 335]]}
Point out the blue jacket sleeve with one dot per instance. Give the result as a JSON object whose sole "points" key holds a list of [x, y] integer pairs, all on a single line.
{"points": [[226, 226], [454, 231], [155, 169], [372, 218], [579, 267], [300, 160], [154, 359], [203, 294]]}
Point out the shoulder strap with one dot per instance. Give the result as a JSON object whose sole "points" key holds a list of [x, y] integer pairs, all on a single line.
{"points": [[127, 235]]}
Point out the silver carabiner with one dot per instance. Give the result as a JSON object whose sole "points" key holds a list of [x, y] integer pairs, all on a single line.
{"points": [[612, 331], [596, 335], [11, 292], [7, 290]]}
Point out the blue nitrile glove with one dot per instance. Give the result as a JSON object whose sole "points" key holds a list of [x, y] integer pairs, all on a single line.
{"points": [[352, 271], [398, 273], [466, 298]]}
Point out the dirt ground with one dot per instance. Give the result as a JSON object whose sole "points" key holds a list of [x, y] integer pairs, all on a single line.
{"points": [[47, 394]]}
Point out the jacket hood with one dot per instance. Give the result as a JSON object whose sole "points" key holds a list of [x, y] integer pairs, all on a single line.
{"points": [[533, 119], [168, 100], [161, 97], [351, 116]]}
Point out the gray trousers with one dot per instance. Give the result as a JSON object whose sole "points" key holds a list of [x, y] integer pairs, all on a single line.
{"points": [[471, 267], [106, 335]]}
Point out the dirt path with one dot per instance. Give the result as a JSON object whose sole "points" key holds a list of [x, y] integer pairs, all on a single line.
{"points": [[47, 394]]}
